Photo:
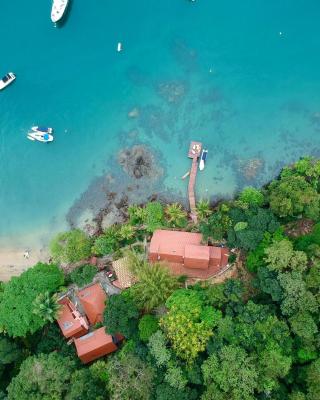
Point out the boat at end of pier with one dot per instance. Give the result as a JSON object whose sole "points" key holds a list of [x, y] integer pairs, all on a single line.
{"points": [[203, 159]]}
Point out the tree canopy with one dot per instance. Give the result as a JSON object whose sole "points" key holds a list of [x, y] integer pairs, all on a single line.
{"points": [[17, 299]]}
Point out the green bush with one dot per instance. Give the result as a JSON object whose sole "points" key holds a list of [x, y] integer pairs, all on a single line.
{"points": [[251, 196], [107, 243], [148, 325], [154, 218], [256, 257], [303, 242], [83, 275], [71, 246]]}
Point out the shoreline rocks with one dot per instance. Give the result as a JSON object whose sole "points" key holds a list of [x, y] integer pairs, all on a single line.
{"points": [[138, 162]]}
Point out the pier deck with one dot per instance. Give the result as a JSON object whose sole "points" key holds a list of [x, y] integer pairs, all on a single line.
{"points": [[194, 153]]}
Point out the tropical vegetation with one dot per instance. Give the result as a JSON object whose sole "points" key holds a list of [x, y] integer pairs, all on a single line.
{"points": [[254, 335]]}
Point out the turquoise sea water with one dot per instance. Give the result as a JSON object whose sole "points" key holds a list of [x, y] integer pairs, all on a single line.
{"points": [[241, 76]]}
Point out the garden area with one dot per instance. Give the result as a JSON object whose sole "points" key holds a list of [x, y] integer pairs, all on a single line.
{"points": [[253, 335]]}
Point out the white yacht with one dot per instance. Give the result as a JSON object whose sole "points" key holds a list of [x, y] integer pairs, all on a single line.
{"points": [[7, 79], [40, 137], [58, 9], [42, 129]]}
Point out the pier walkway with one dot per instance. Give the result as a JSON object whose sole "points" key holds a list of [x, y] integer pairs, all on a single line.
{"points": [[194, 153]]}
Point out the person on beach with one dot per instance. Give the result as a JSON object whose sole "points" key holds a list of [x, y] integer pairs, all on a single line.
{"points": [[26, 254]]}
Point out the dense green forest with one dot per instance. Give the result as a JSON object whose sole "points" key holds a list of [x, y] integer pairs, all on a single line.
{"points": [[255, 336]]}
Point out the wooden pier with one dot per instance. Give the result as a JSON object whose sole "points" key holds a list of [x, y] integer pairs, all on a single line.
{"points": [[194, 153]]}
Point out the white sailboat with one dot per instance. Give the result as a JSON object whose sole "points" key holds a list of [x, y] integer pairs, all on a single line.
{"points": [[58, 9]]}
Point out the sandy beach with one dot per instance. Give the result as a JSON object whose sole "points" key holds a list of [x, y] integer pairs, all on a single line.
{"points": [[13, 262]]}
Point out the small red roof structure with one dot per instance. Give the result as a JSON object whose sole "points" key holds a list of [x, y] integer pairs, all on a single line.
{"points": [[93, 300], [71, 322], [94, 345], [185, 254]]}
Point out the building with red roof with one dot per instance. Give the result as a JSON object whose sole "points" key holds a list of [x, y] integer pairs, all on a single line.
{"points": [[93, 300], [95, 344], [186, 255], [71, 322]]}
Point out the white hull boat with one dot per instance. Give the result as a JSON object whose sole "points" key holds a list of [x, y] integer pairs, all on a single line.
{"points": [[6, 80], [42, 129], [58, 9], [203, 159], [40, 137]]}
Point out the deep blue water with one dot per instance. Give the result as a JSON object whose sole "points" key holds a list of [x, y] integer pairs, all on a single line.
{"points": [[241, 76]]}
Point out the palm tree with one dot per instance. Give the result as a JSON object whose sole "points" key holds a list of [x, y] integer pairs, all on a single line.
{"points": [[176, 216], [203, 209], [47, 306], [137, 262], [136, 214], [155, 285], [126, 232]]}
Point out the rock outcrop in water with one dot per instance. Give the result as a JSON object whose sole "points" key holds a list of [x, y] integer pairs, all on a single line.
{"points": [[173, 91], [138, 162], [250, 168]]}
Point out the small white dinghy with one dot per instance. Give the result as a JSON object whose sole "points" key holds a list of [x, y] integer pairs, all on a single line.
{"points": [[40, 137], [58, 9], [7, 79], [42, 129], [203, 159]]}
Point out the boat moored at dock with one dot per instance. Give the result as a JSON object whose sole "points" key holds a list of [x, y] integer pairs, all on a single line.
{"points": [[6, 80], [58, 10], [203, 159]]}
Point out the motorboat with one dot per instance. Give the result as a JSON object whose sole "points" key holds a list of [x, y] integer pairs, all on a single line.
{"points": [[40, 137], [42, 129], [7, 79], [203, 159], [58, 9]]}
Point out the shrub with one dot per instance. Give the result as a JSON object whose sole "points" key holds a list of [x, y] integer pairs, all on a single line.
{"points": [[107, 243], [148, 325], [154, 218], [83, 275], [121, 315], [252, 197], [70, 246]]}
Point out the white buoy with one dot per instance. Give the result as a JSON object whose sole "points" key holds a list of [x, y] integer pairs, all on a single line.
{"points": [[119, 47]]}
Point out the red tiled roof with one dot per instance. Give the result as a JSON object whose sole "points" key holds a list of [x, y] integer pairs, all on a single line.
{"points": [[172, 242], [71, 322], [196, 256], [94, 345], [185, 255], [93, 300]]}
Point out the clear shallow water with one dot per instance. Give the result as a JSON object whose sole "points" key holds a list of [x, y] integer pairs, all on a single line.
{"points": [[219, 72]]}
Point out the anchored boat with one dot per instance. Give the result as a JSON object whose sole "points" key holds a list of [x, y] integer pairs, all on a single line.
{"points": [[7, 79], [40, 137], [58, 9], [203, 159], [42, 129]]}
